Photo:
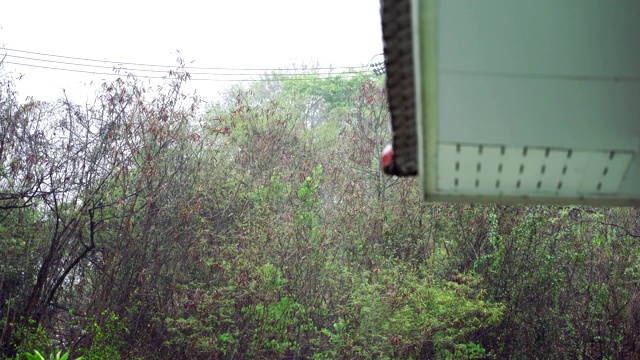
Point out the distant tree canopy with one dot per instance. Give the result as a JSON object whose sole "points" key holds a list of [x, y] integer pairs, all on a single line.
{"points": [[149, 225]]}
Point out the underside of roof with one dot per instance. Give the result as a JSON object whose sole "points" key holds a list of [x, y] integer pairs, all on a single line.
{"points": [[515, 104]]}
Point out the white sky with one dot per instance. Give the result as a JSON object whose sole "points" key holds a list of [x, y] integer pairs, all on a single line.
{"points": [[214, 33]]}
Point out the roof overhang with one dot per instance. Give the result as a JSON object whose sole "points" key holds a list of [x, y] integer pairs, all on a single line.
{"points": [[518, 102]]}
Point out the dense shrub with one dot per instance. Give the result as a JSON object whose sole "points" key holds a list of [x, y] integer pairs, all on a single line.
{"points": [[147, 226]]}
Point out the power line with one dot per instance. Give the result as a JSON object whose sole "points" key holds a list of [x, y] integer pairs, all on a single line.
{"points": [[76, 64], [166, 66], [274, 77], [152, 70], [77, 71]]}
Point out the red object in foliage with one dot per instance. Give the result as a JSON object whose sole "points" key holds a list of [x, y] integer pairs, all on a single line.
{"points": [[387, 159]]}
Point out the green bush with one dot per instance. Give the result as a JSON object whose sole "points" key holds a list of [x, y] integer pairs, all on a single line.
{"points": [[400, 313], [107, 340], [54, 356]]}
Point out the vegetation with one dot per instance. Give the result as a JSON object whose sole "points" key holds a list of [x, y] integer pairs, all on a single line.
{"points": [[149, 225]]}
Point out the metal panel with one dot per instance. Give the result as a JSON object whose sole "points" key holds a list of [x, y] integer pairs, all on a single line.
{"points": [[531, 101]]}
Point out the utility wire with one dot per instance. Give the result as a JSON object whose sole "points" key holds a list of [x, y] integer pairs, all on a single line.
{"points": [[274, 75], [266, 77], [162, 71], [165, 66]]}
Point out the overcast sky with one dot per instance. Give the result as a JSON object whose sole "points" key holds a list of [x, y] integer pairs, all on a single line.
{"points": [[217, 33]]}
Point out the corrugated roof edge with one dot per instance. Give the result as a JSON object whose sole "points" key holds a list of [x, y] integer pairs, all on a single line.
{"points": [[398, 53]]}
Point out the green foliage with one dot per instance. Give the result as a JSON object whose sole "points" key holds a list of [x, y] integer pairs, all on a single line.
{"points": [[31, 335], [54, 356], [400, 313], [107, 339], [265, 229], [470, 350], [277, 325], [309, 187]]}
